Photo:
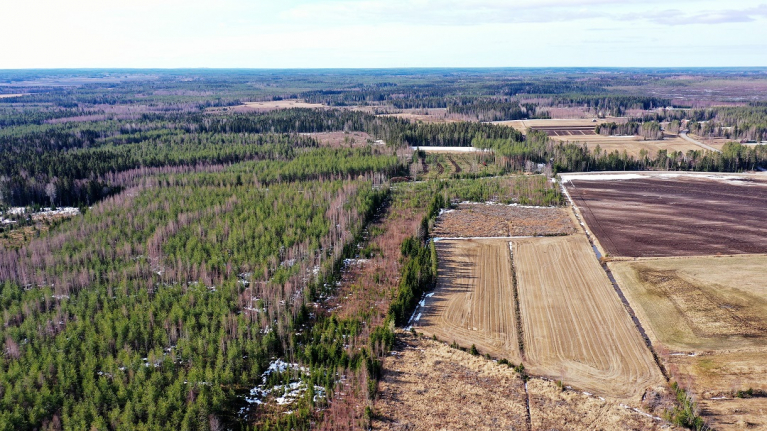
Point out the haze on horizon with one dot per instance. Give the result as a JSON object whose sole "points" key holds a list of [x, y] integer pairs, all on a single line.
{"points": [[382, 33]]}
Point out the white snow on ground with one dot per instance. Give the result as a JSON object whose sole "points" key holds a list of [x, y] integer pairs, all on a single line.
{"points": [[284, 394], [445, 238], [600, 177], [45, 212], [498, 203]]}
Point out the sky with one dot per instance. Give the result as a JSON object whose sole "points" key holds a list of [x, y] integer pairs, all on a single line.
{"points": [[382, 33]]}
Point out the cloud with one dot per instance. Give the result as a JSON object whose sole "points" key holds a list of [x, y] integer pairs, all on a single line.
{"points": [[678, 17], [479, 12], [447, 12]]}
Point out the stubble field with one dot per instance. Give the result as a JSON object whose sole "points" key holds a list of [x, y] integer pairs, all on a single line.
{"points": [[474, 299], [575, 327]]}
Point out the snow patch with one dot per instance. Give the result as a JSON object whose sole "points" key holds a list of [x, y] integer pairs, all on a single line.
{"points": [[600, 177]]}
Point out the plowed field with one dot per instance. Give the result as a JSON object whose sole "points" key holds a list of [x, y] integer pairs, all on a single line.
{"points": [[474, 299], [575, 327], [673, 214]]}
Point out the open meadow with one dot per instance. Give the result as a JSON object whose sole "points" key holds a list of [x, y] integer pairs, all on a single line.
{"points": [[708, 315]]}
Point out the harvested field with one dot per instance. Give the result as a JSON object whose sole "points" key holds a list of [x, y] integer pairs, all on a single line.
{"points": [[561, 126], [673, 214], [474, 299], [431, 115], [478, 220], [565, 131], [448, 149], [281, 104], [428, 385], [575, 327], [633, 145]]}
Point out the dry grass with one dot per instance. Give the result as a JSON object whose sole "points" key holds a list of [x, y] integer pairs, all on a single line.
{"points": [[7, 96], [575, 327], [431, 115], [736, 414], [708, 318], [633, 145], [476, 220], [427, 385], [266, 106], [554, 409], [474, 299], [702, 303]]}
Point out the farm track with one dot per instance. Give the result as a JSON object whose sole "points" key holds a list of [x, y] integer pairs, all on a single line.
{"points": [[574, 325]]}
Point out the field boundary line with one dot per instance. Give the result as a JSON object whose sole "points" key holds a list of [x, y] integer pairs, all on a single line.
{"points": [[517, 308], [618, 291]]}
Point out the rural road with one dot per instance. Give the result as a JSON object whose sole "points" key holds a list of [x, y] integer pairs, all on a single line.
{"points": [[683, 135]]}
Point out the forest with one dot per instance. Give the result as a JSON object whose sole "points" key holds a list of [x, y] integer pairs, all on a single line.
{"points": [[205, 276]]}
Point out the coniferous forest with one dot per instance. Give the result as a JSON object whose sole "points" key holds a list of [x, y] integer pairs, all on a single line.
{"points": [[178, 248]]}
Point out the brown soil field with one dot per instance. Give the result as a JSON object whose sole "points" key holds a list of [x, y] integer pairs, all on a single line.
{"points": [[708, 318], [566, 131], [427, 385], [478, 220], [673, 214], [574, 324], [474, 299]]}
